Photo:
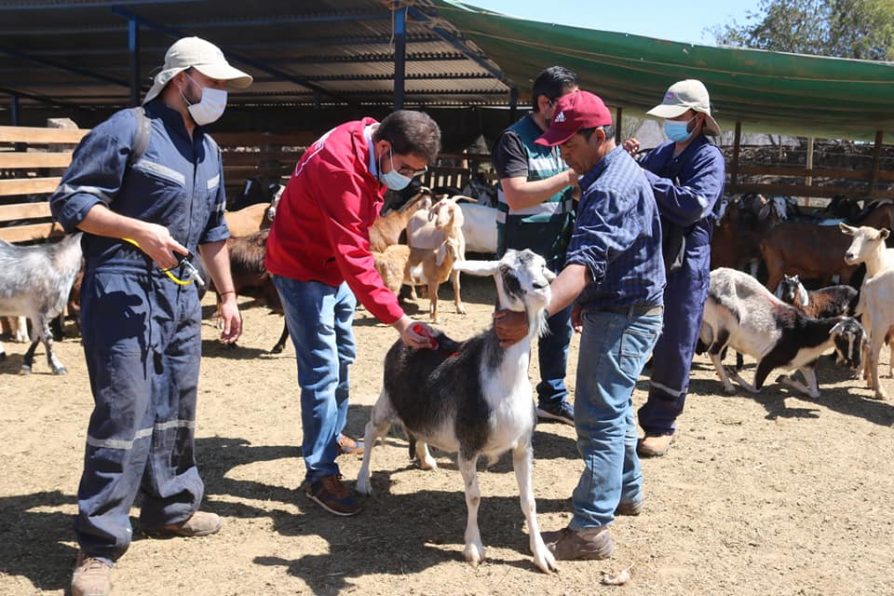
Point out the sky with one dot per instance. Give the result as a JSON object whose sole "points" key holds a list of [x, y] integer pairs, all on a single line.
{"points": [[675, 21]]}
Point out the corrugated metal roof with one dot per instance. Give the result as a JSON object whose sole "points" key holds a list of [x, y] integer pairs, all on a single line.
{"points": [[326, 52]]}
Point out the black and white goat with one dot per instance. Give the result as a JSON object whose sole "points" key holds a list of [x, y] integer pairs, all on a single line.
{"points": [[472, 398], [35, 282], [742, 314], [831, 301]]}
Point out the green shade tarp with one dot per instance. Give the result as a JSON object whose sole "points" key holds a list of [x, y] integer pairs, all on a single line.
{"points": [[769, 92]]}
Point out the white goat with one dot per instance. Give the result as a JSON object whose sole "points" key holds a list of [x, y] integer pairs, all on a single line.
{"points": [[876, 307], [472, 398], [876, 294], [436, 243], [479, 228], [742, 314], [35, 281], [868, 246]]}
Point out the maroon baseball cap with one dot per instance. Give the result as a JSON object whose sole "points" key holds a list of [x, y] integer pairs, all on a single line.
{"points": [[575, 111]]}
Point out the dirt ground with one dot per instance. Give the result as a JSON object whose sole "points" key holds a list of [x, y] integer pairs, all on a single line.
{"points": [[776, 494]]}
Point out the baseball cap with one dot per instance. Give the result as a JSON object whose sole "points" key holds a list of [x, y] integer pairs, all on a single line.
{"points": [[574, 111], [690, 94], [204, 56]]}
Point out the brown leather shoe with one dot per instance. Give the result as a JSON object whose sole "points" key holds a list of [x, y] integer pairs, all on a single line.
{"points": [[632, 508], [349, 446], [586, 545], [331, 494], [201, 523], [654, 445], [91, 577]]}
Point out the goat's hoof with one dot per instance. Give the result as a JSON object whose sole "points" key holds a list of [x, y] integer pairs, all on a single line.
{"points": [[363, 487], [729, 390], [60, 371], [881, 395], [461, 310], [781, 378], [428, 464], [277, 349], [25, 370], [545, 560], [474, 553]]}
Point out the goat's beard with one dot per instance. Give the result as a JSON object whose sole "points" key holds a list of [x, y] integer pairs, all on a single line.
{"points": [[541, 324]]}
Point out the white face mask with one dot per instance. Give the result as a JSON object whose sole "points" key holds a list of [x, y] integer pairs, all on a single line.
{"points": [[210, 108]]}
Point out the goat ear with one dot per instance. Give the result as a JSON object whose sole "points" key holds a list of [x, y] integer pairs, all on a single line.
{"points": [[884, 233], [846, 229], [549, 275], [479, 268], [838, 328]]}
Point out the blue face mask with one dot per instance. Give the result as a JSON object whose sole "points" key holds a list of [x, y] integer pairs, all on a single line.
{"points": [[677, 131], [393, 179]]}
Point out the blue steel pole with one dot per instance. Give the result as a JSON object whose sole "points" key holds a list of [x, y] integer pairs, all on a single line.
{"points": [[400, 54], [133, 46]]}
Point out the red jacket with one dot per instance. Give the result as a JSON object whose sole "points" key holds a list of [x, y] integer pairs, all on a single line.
{"points": [[321, 229]]}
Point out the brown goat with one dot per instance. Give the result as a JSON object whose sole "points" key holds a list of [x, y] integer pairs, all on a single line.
{"points": [[737, 236], [386, 230], [246, 221], [392, 264], [814, 252], [251, 278]]}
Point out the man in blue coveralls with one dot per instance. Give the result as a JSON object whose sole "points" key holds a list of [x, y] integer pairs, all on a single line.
{"points": [[147, 189], [536, 211], [687, 174]]}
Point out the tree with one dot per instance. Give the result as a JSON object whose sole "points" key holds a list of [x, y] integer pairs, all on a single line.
{"points": [[862, 29]]}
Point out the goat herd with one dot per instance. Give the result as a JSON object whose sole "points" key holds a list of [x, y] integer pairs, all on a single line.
{"points": [[420, 243], [424, 243]]}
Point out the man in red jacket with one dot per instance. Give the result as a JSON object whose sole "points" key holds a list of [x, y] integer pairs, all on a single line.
{"points": [[318, 253]]}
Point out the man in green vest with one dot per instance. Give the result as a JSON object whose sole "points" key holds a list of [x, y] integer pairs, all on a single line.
{"points": [[536, 211]]}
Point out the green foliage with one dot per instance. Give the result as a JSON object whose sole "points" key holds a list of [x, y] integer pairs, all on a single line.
{"points": [[862, 29]]}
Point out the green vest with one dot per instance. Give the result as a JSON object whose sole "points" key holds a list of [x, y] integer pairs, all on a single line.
{"points": [[546, 227]]}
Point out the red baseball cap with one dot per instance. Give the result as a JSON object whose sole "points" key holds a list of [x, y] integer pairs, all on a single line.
{"points": [[575, 111]]}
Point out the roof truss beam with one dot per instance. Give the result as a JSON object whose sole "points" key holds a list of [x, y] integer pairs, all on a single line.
{"points": [[257, 65]]}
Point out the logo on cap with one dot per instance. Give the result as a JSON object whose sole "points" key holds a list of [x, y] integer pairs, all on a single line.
{"points": [[560, 117], [669, 96]]}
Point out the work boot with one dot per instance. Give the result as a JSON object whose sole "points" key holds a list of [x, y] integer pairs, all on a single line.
{"points": [[91, 577], [631, 508], [654, 445], [331, 494], [588, 544], [201, 523], [349, 446]]}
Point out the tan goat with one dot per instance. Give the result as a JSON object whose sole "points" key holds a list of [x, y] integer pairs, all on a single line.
{"points": [[436, 243]]}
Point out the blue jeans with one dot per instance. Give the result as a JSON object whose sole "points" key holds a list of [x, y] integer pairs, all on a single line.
{"points": [[613, 351], [552, 352], [319, 318]]}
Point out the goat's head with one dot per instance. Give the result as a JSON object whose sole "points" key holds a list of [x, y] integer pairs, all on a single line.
{"points": [[270, 213], [792, 291], [446, 213], [866, 241], [850, 339], [522, 279]]}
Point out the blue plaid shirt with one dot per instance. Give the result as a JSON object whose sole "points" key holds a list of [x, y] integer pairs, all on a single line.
{"points": [[618, 236]]}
